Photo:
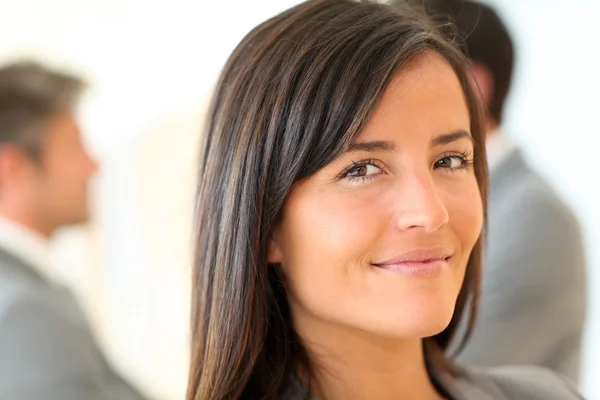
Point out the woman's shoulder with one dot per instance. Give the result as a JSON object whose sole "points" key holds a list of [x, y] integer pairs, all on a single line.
{"points": [[516, 383], [503, 383]]}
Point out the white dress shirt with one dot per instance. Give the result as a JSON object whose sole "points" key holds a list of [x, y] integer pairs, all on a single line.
{"points": [[27, 245]]}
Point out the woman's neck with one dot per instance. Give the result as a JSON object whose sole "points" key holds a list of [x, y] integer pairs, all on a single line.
{"points": [[353, 364]]}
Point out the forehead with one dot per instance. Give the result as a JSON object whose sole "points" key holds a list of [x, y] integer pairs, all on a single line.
{"points": [[425, 98]]}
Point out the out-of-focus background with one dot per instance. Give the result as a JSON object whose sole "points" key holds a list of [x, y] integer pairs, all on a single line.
{"points": [[151, 66]]}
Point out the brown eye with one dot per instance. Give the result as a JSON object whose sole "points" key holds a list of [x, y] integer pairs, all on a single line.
{"points": [[362, 170], [450, 162]]}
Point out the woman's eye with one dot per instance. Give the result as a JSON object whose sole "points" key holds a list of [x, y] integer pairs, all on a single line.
{"points": [[451, 162], [362, 170]]}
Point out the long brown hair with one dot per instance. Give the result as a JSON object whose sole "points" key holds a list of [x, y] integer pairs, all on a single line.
{"points": [[293, 95]]}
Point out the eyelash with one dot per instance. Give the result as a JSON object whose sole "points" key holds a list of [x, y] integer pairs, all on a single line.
{"points": [[358, 164], [465, 157]]}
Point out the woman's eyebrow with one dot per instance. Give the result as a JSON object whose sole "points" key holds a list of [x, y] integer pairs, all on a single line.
{"points": [[451, 137], [376, 145]]}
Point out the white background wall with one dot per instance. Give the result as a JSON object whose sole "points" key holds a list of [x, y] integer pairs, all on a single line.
{"points": [[152, 66]]}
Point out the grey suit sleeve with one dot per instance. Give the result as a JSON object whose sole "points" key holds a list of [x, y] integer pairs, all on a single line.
{"points": [[532, 304], [46, 355]]}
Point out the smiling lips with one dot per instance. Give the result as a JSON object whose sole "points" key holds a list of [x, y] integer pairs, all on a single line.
{"points": [[424, 263]]}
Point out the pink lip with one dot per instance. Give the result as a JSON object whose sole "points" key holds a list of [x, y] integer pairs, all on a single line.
{"points": [[418, 263]]}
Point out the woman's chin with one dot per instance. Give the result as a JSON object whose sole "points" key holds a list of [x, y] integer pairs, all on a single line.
{"points": [[414, 323]]}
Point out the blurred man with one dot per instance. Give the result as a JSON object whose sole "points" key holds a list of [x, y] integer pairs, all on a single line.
{"points": [[46, 348], [533, 301]]}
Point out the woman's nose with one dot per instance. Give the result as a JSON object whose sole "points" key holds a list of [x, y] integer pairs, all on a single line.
{"points": [[419, 205]]}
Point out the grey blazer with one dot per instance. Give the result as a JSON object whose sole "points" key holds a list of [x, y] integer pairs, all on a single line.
{"points": [[47, 351], [508, 383], [533, 296]]}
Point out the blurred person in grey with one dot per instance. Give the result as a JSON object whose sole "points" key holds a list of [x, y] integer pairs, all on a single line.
{"points": [[47, 351], [533, 295]]}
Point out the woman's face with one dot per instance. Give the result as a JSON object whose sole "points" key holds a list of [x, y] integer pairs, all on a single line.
{"points": [[379, 239]]}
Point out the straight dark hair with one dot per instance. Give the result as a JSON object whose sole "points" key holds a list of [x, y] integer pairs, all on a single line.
{"points": [[293, 95]]}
